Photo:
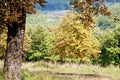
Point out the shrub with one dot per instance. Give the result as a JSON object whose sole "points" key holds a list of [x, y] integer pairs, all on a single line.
{"points": [[110, 48], [40, 44]]}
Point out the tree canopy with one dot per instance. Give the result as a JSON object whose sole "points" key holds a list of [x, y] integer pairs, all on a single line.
{"points": [[13, 11], [72, 39], [90, 8]]}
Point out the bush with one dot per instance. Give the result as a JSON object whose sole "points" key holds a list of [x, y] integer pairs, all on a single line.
{"points": [[40, 44], [110, 48]]}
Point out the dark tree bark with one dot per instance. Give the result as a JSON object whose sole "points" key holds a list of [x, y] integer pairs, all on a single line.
{"points": [[12, 16], [13, 57]]}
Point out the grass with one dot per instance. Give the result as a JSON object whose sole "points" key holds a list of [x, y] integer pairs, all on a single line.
{"points": [[74, 68], [0, 74], [49, 71], [42, 76], [40, 67]]}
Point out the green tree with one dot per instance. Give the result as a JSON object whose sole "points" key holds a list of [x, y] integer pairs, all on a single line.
{"points": [[40, 44], [110, 47], [105, 32]]}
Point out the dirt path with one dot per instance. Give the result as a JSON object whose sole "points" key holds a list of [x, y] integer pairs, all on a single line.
{"points": [[74, 76]]}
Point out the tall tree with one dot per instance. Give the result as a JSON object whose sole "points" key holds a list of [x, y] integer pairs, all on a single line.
{"points": [[13, 16]]}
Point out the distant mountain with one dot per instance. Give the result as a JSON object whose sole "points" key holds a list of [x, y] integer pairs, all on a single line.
{"points": [[114, 1], [111, 2], [57, 5]]}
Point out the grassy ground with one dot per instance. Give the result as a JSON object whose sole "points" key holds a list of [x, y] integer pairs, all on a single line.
{"points": [[1, 66], [49, 71]]}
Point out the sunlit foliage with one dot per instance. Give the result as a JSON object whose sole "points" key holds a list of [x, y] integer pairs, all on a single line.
{"points": [[73, 39], [3, 37], [90, 8]]}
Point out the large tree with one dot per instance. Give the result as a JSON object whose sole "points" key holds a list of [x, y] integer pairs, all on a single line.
{"points": [[13, 16]]}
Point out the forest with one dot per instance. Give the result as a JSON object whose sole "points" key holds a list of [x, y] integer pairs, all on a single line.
{"points": [[67, 48]]}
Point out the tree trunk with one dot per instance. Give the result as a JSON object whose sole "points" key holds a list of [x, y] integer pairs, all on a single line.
{"points": [[13, 57]]}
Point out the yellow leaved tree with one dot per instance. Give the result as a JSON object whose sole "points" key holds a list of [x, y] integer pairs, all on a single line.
{"points": [[3, 37], [73, 39]]}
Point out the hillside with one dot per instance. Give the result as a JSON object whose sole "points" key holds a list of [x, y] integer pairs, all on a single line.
{"points": [[52, 16], [56, 5], [113, 1]]}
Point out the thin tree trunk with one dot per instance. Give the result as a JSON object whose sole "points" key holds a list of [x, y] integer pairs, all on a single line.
{"points": [[13, 57]]}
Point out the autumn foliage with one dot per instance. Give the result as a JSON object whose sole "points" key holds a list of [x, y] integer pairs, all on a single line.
{"points": [[13, 11], [73, 39], [88, 9]]}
